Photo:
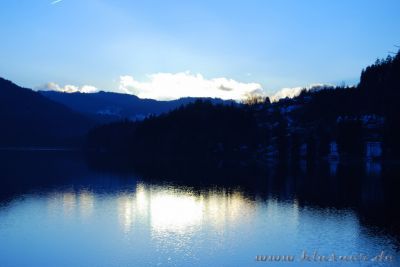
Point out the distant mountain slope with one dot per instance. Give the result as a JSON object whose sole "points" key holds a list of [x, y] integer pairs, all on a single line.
{"points": [[29, 119], [112, 106]]}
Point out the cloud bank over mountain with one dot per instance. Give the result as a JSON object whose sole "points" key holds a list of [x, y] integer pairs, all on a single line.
{"points": [[168, 86], [171, 86], [51, 86]]}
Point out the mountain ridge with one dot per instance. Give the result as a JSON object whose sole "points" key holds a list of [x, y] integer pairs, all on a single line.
{"points": [[111, 106], [30, 119]]}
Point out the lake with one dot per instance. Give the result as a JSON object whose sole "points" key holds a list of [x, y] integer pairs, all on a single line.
{"points": [[56, 210]]}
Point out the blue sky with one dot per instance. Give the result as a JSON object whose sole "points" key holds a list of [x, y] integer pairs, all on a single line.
{"points": [[148, 47]]}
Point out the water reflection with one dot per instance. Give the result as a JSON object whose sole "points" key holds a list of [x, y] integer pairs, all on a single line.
{"points": [[126, 211], [111, 220], [69, 203], [180, 210], [168, 209], [86, 203], [180, 224], [171, 212], [333, 167], [373, 167]]}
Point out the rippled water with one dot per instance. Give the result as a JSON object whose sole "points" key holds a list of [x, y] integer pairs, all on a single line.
{"points": [[100, 219]]}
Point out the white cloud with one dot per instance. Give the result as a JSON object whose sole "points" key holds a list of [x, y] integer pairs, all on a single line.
{"points": [[168, 86], [295, 91], [69, 88], [286, 92]]}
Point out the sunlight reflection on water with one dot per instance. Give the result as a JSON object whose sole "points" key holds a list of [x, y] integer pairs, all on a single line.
{"points": [[180, 211], [152, 225]]}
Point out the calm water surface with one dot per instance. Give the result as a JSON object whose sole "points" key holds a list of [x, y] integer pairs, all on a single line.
{"points": [[70, 215]]}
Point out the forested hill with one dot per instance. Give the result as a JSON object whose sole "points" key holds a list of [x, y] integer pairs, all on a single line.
{"points": [[340, 122], [30, 119]]}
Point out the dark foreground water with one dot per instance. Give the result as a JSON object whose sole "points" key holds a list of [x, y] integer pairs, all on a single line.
{"points": [[56, 211]]}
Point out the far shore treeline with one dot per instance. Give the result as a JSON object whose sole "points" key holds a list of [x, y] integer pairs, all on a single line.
{"points": [[346, 123]]}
